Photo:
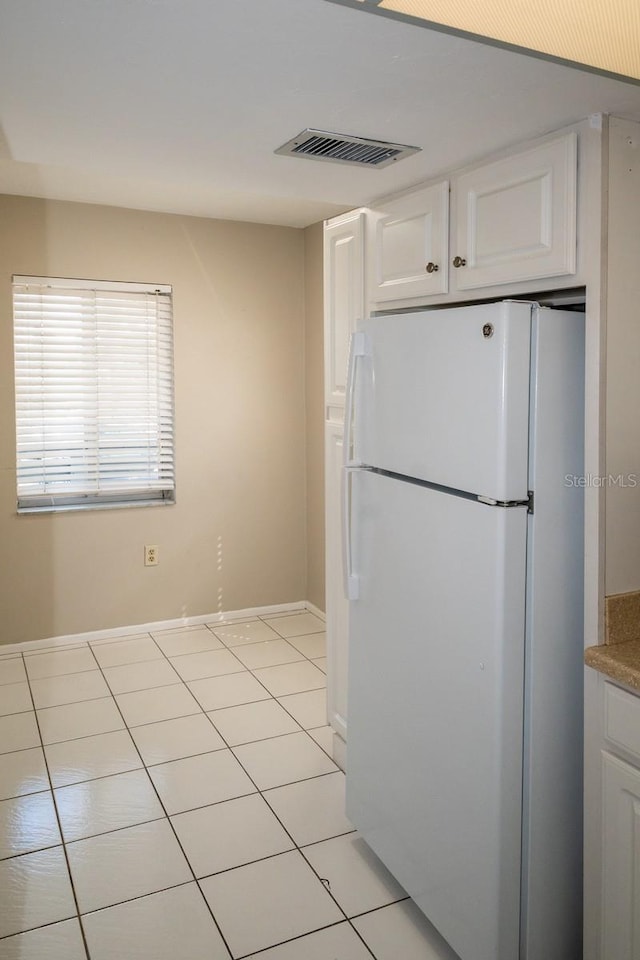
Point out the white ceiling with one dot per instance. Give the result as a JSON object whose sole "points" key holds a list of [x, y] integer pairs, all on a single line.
{"points": [[178, 105]]}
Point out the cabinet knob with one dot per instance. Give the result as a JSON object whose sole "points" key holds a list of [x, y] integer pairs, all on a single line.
{"points": [[432, 267], [459, 262]]}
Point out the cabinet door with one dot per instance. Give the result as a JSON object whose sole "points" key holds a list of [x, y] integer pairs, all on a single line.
{"points": [[343, 298], [620, 860], [337, 605], [407, 245], [516, 218]]}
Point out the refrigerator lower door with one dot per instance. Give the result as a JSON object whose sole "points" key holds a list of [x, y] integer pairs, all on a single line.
{"points": [[434, 752]]}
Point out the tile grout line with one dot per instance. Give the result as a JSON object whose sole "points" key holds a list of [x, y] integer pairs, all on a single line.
{"points": [[58, 820], [142, 896], [328, 926], [173, 830]]}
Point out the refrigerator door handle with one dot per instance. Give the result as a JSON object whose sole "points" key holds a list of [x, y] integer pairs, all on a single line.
{"points": [[351, 581], [358, 348]]}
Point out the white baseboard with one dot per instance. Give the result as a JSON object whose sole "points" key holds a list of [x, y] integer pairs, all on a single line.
{"points": [[339, 751], [30, 646], [316, 611]]}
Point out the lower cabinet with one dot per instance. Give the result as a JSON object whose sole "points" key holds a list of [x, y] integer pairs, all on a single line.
{"points": [[620, 825], [621, 859], [336, 604]]}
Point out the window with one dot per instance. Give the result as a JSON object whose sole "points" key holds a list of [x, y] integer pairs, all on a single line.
{"points": [[94, 393]]}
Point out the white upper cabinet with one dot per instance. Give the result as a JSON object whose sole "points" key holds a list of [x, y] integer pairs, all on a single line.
{"points": [[513, 220], [407, 245], [516, 218], [343, 299]]}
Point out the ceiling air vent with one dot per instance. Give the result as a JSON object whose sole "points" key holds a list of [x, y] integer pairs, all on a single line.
{"points": [[341, 148]]}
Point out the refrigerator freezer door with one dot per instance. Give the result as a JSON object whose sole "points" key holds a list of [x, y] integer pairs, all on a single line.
{"points": [[434, 756], [443, 395]]}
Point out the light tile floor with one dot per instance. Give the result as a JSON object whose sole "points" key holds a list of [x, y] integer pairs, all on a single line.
{"points": [[173, 796]]}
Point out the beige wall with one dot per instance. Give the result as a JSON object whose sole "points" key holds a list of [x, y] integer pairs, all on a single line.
{"points": [[622, 547], [314, 391], [236, 536]]}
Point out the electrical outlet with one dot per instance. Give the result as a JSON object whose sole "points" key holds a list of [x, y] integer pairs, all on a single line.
{"points": [[151, 555]]}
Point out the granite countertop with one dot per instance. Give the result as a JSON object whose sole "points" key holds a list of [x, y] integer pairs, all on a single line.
{"points": [[620, 661], [619, 656]]}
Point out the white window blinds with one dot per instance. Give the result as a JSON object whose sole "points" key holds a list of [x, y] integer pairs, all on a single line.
{"points": [[94, 393]]}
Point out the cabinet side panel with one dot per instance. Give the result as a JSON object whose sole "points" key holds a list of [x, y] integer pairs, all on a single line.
{"points": [[337, 605], [552, 927], [343, 299], [622, 546]]}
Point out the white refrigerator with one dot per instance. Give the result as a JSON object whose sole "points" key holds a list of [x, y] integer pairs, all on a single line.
{"points": [[463, 537]]}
